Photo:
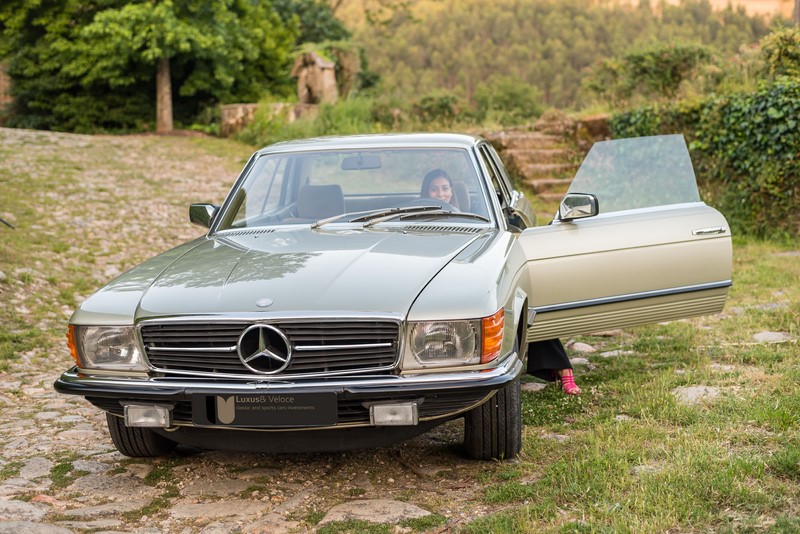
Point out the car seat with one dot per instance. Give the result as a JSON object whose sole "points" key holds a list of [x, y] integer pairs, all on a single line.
{"points": [[320, 201]]}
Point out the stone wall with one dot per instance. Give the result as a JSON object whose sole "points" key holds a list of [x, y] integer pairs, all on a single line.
{"points": [[234, 117]]}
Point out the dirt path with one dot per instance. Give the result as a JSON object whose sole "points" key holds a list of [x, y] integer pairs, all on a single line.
{"points": [[89, 207]]}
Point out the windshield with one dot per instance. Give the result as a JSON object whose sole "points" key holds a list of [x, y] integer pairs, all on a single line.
{"points": [[636, 173], [344, 185]]}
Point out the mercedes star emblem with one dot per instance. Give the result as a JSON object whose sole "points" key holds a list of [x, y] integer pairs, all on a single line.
{"points": [[264, 349]]}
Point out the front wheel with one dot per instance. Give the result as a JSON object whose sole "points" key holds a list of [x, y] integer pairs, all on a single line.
{"points": [[137, 442], [493, 430]]}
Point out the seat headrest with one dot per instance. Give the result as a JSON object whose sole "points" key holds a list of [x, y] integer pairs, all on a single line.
{"points": [[320, 201]]}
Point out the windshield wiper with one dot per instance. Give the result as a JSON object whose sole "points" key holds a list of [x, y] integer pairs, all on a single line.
{"points": [[446, 213], [426, 213], [372, 214]]}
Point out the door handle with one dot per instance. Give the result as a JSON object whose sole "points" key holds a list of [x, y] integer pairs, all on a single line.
{"points": [[709, 231]]}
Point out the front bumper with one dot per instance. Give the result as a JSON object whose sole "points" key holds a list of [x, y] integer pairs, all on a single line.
{"points": [[440, 396]]}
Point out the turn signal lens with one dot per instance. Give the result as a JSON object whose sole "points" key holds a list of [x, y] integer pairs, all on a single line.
{"points": [[71, 344], [492, 338]]}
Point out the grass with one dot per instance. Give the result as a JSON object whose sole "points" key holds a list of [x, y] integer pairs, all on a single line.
{"points": [[731, 464]]}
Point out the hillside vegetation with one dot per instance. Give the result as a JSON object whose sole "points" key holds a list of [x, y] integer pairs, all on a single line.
{"points": [[469, 47]]}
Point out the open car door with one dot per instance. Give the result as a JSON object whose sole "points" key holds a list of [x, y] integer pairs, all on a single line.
{"points": [[645, 249]]}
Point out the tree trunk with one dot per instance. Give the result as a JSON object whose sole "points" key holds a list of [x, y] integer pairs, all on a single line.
{"points": [[797, 13], [163, 97]]}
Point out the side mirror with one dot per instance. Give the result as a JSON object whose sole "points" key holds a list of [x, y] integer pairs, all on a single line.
{"points": [[202, 214], [578, 206]]}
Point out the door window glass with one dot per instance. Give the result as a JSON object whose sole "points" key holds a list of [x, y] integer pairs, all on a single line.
{"points": [[640, 172]]}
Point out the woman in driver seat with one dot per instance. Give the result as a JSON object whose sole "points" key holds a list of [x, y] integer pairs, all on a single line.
{"points": [[438, 185]]}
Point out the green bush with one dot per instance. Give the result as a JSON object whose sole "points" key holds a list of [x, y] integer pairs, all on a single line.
{"points": [[351, 116], [781, 52], [746, 149], [437, 107], [508, 100]]}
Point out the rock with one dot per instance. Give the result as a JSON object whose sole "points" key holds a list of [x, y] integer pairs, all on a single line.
{"points": [[773, 337], [28, 527], [561, 438], [722, 368], [2, 276], [374, 511], [122, 487], [578, 361], [43, 416], [615, 353], [693, 395], [82, 436], [362, 481], [259, 473], [90, 466], [104, 524], [581, 347], [35, 468], [623, 417], [533, 386], [139, 470], [271, 524], [105, 509], [218, 488], [771, 306], [20, 511], [218, 509]]}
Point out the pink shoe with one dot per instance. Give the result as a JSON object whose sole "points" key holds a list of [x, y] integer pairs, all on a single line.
{"points": [[569, 385]]}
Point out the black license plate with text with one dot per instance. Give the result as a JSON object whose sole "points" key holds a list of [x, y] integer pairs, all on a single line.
{"points": [[265, 409]]}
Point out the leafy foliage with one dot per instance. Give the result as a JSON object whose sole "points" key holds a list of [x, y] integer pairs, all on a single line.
{"points": [[73, 63], [781, 51], [657, 70], [316, 19], [746, 147]]}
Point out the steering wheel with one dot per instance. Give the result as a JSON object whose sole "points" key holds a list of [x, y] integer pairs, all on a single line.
{"points": [[431, 202]]}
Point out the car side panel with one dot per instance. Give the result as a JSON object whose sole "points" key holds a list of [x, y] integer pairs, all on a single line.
{"points": [[626, 269]]}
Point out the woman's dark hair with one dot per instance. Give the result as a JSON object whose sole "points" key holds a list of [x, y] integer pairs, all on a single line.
{"points": [[431, 176]]}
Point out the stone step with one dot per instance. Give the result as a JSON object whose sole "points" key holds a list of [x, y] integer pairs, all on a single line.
{"points": [[511, 139], [549, 170], [551, 197], [527, 156], [543, 185]]}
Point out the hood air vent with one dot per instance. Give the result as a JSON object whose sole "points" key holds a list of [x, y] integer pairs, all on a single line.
{"points": [[443, 228], [249, 232]]}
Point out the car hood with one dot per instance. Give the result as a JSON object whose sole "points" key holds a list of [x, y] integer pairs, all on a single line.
{"points": [[288, 271]]}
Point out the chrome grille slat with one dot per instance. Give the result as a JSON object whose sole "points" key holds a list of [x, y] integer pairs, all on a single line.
{"points": [[318, 346]]}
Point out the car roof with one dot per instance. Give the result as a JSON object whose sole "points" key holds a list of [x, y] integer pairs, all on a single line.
{"points": [[404, 140]]}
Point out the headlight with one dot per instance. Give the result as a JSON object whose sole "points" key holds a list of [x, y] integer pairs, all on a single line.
{"points": [[114, 348], [444, 343], [451, 343]]}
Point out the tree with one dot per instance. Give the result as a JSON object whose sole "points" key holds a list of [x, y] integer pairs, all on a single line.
{"points": [[92, 64], [316, 18], [219, 38]]}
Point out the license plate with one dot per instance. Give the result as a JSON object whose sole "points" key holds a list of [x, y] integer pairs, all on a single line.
{"points": [[265, 409]]}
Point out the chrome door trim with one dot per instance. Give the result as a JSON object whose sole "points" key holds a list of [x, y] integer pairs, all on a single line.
{"points": [[628, 297]]}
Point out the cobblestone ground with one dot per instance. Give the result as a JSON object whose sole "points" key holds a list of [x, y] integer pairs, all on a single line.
{"points": [[94, 207]]}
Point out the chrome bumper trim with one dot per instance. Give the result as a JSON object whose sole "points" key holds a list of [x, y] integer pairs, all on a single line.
{"points": [[510, 366]]}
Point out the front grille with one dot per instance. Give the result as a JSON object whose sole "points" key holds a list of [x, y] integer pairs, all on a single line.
{"points": [[317, 347]]}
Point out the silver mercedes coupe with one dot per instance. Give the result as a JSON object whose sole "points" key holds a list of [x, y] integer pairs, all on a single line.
{"points": [[357, 291]]}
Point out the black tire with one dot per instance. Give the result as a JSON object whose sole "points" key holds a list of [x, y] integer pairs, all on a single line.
{"points": [[493, 430], [137, 442]]}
